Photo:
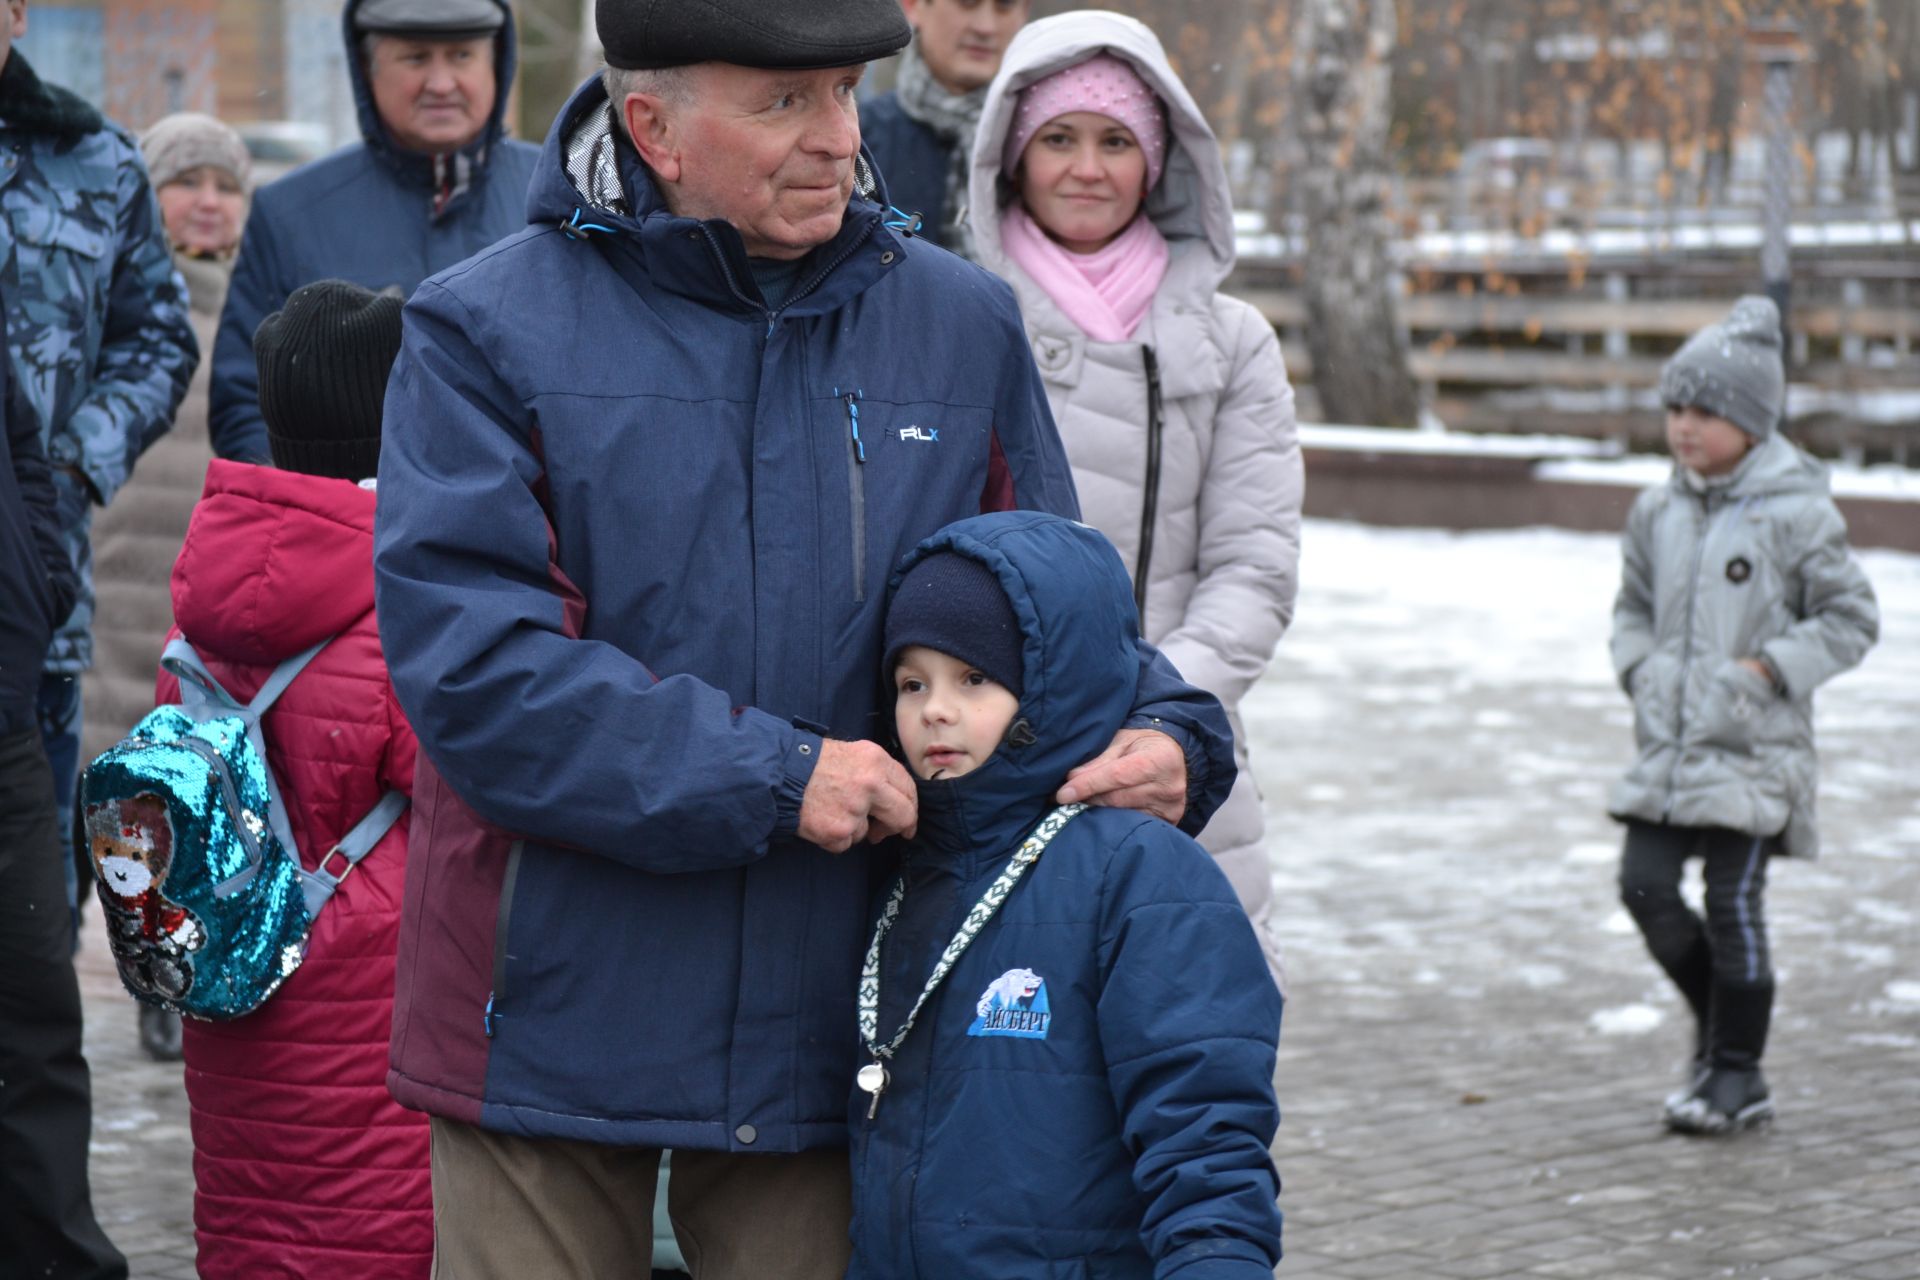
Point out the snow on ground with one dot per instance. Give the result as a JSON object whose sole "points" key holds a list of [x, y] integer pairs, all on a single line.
{"points": [[1434, 742]]}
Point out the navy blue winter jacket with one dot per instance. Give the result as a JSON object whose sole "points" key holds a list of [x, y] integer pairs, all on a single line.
{"points": [[365, 214], [1090, 1091], [37, 584], [634, 532], [911, 159]]}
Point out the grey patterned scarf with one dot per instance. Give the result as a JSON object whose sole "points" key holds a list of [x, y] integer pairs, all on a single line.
{"points": [[953, 117]]}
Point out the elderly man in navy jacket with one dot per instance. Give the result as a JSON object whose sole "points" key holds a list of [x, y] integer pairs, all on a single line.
{"points": [[646, 470], [434, 180]]}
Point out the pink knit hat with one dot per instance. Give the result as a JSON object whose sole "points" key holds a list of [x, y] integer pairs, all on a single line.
{"points": [[1103, 84]]}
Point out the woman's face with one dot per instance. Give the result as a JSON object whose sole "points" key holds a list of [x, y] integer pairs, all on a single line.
{"points": [[1082, 178], [203, 208]]}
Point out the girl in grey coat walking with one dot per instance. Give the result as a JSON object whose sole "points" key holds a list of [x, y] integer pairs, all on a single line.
{"points": [[1739, 599]]}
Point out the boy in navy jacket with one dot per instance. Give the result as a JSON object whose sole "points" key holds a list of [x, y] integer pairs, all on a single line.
{"points": [[1068, 1026]]}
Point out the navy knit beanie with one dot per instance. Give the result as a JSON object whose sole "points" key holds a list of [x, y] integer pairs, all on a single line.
{"points": [[954, 604]]}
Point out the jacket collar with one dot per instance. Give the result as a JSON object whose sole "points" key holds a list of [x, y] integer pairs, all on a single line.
{"points": [[31, 105], [592, 185]]}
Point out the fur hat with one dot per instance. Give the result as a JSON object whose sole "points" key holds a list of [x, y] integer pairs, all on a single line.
{"points": [[188, 140], [324, 360], [1732, 369], [640, 35], [955, 605]]}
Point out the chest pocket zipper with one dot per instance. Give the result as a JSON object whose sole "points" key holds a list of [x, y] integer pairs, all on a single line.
{"points": [[856, 490]]}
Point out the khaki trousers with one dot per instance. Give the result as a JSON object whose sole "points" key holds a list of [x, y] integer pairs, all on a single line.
{"points": [[510, 1208]]}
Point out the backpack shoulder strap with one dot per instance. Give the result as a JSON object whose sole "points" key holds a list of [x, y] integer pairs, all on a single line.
{"points": [[199, 690], [319, 883]]}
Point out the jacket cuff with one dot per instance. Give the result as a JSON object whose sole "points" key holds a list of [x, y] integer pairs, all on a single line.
{"points": [[1190, 749], [797, 763], [1221, 1259]]}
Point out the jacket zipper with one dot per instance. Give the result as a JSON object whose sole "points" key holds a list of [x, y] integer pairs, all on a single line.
{"points": [[856, 491], [1150, 504], [211, 754], [1686, 645], [501, 920]]}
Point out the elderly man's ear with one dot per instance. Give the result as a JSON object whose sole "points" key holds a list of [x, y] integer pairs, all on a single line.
{"points": [[650, 124]]}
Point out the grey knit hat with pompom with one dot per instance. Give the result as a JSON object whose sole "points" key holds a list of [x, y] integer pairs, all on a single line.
{"points": [[1732, 369]]}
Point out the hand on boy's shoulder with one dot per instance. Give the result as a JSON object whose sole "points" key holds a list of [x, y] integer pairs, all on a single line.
{"points": [[1142, 769], [857, 792]]}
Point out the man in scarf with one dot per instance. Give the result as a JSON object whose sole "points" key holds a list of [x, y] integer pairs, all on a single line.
{"points": [[921, 132]]}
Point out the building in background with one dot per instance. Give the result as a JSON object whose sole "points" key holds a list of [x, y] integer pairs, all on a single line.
{"points": [[274, 63]]}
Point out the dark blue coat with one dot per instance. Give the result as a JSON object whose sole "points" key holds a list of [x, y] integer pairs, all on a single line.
{"points": [[911, 159], [365, 214], [37, 585], [1090, 1091], [630, 559]]}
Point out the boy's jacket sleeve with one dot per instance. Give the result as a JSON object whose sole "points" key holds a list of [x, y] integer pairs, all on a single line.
{"points": [[1633, 606], [481, 632], [1189, 1023], [1839, 616]]}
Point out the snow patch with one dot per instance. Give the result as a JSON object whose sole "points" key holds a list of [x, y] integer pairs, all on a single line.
{"points": [[1627, 1020], [1904, 993]]}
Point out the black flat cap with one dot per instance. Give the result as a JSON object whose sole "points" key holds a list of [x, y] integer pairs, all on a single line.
{"points": [[796, 35], [447, 19]]}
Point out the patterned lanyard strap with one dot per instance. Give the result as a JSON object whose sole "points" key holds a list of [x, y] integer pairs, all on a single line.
{"points": [[873, 1076]]}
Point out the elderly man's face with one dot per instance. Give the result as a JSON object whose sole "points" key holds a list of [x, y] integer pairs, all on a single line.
{"points": [[434, 96], [769, 151]]}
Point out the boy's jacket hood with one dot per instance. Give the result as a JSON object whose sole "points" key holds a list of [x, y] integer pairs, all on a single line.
{"points": [[274, 562], [373, 130], [1191, 204], [1071, 597]]}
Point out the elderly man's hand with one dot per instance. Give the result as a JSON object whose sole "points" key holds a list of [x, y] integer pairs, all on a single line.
{"points": [[857, 792], [1142, 769]]}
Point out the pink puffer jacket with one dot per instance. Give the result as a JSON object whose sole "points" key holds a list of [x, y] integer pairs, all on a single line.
{"points": [[303, 1165]]}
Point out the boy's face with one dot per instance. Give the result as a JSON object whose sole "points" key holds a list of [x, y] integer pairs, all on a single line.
{"points": [[1705, 443], [950, 717]]}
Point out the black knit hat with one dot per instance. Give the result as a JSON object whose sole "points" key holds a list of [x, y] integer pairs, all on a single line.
{"points": [[324, 360], [954, 604], [642, 35]]}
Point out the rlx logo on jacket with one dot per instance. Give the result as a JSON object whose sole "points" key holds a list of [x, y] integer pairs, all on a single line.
{"points": [[927, 435]]}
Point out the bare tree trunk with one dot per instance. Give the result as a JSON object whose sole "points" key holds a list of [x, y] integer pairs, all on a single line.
{"points": [[1343, 50]]}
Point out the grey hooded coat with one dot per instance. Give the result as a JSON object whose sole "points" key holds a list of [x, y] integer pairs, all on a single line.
{"points": [[1223, 503], [1755, 566]]}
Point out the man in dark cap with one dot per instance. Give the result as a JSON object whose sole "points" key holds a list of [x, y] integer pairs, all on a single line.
{"points": [[647, 468], [434, 180]]}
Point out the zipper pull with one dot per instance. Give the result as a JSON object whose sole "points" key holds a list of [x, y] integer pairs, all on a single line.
{"points": [[853, 424], [486, 1019]]}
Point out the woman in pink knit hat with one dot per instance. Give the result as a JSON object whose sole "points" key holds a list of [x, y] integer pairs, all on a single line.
{"points": [[1097, 191]]}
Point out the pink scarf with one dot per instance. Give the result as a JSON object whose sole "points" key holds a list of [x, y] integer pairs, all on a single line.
{"points": [[1108, 292]]}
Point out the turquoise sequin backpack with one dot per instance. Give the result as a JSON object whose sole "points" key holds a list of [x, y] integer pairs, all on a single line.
{"points": [[207, 905]]}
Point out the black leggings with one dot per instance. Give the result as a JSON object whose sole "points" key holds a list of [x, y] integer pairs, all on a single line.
{"points": [[1736, 881]]}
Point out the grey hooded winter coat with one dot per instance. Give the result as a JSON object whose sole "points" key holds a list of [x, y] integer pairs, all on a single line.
{"points": [[1223, 502], [1753, 567]]}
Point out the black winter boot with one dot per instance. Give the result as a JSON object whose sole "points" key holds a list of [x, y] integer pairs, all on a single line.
{"points": [[1732, 1094]]}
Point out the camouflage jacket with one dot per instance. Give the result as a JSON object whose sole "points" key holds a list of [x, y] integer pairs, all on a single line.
{"points": [[97, 324]]}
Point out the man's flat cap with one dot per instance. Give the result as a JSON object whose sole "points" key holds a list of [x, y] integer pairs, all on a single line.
{"points": [[437, 18], [643, 35]]}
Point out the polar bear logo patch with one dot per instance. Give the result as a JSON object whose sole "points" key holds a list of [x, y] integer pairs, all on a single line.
{"points": [[1014, 1004]]}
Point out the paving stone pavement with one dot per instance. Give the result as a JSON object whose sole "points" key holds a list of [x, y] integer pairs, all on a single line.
{"points": [[1476, 1044]]}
